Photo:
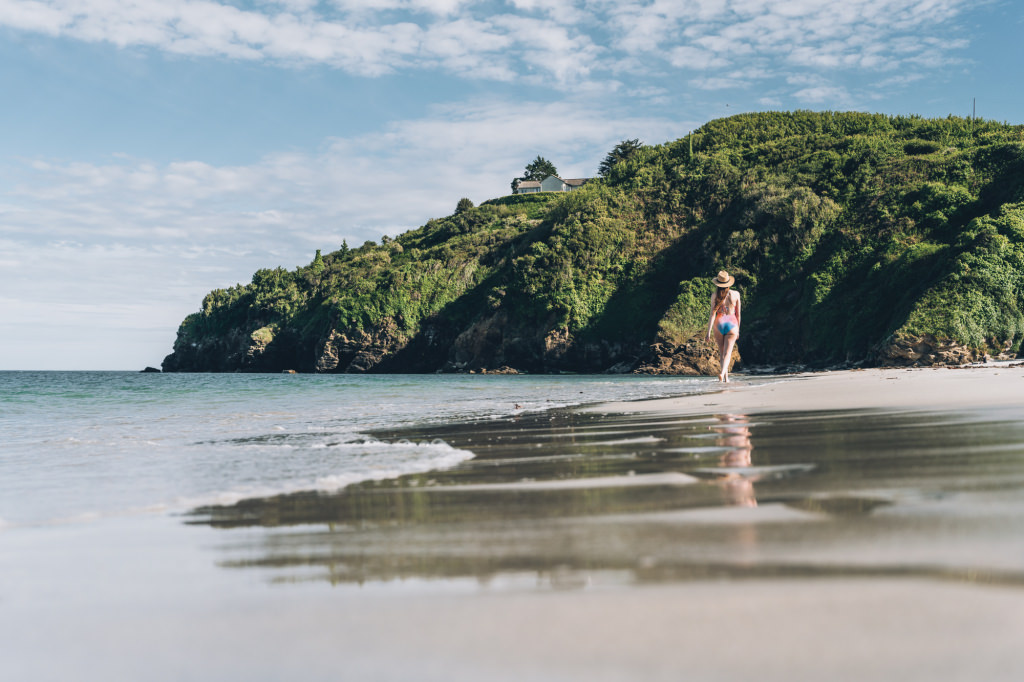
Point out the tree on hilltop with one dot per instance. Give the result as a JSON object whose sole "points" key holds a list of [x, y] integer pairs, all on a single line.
{"points": [[316, 269], [622, 151], [539, 168]]}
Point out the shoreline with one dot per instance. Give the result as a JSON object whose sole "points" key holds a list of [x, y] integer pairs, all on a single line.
{"points": [[924, 388], [928, 391]]}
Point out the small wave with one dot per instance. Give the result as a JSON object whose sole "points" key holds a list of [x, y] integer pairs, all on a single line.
{"points": [[628, 441], [363, 459], [84, 517], [390, 460], [446, 457]]}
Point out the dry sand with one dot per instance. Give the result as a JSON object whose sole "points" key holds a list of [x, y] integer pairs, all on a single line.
{"points": [[882, 389]]}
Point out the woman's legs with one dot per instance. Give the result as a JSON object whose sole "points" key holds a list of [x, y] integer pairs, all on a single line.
{"points": [[725, 344], [720, 342], [730, 341]]}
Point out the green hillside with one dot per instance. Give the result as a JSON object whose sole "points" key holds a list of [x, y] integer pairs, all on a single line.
{"points": [[853, 237]]}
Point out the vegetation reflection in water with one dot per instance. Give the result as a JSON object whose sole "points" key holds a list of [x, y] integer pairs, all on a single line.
{"points": [[574, 499]]}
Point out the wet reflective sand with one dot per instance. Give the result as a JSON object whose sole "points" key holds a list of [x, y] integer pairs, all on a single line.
{"points": [[789, 546], [573, 501]]}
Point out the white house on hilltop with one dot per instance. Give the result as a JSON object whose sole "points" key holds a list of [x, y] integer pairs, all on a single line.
{"points": [[551, 183]]}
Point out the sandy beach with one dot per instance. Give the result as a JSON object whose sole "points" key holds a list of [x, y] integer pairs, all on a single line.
{"points": [[866, 389], [861, 525]]}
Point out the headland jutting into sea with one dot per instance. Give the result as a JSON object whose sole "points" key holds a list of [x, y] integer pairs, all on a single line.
{"points": [[856, 240]]}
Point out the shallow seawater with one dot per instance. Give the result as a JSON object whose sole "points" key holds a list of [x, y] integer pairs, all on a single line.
{"points": [[80, 446], [568, 500]]}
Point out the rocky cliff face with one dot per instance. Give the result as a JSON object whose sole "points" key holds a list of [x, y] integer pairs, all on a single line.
{"points": [[356, 351], [494, 344], [490, 345], [262, 350]]}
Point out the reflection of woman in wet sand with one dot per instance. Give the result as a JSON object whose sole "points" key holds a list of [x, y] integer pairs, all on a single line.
{"points": [[724, 321], [735, 434]]}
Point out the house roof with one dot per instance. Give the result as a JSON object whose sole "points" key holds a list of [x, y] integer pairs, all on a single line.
{"points": [[528, 183], [575, 182]]}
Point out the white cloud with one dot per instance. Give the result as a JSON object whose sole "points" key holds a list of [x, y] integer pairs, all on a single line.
{"points": [[695, 58], [718, 83], [819, 94], [437, 7], [900, 80], [557, 42], [652, 94], [130, 230], [550, 48], [715, 38], [562, 11]]}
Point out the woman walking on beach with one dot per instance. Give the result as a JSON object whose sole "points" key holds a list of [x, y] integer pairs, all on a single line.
{"points": [[724, 321]]}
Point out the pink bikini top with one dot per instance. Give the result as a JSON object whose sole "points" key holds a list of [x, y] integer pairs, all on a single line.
{"points": [[725, 308]]}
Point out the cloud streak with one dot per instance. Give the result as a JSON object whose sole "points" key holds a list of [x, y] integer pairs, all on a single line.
{"points": [[564, 44]]}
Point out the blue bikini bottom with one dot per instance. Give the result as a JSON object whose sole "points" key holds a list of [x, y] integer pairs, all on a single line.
{"points": [[726, 324]]}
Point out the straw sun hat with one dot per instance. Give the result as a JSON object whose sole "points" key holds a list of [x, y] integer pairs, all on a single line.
{"points": [[724, 279]]}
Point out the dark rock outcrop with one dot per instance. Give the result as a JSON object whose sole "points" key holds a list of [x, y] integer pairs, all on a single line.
{"points": [[263, 350], [691, 358], [356, 351], [924, 350]]}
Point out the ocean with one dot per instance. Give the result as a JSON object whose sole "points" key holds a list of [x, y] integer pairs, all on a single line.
{"points": [[81, 446]]}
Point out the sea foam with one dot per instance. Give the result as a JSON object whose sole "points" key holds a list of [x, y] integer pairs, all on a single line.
{"points": [[358, 461]]}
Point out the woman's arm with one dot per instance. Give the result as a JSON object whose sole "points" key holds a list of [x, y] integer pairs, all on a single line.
{"points": [[711, 317], [739, 308]]}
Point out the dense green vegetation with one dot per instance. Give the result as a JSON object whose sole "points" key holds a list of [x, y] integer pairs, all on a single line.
{"points": [[619, 153], [847, 233]]}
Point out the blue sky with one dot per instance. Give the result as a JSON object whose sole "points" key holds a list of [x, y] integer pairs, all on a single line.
{"points": [[153, 150]]}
